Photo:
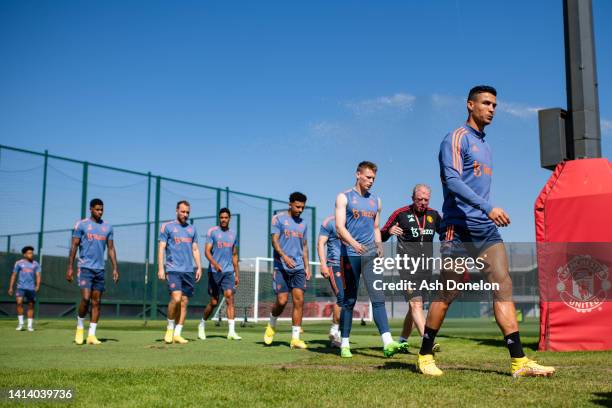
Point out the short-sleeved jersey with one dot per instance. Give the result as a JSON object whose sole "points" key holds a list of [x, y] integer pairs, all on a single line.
{"points": [[26, 274], [466, 169], [179, 252], [292, 234], [93, 238], [416, 227], [223, 243], [328, 229], [360, 216]]}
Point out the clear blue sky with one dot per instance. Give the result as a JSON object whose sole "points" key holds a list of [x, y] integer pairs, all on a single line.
{"points": [[271, 97]]}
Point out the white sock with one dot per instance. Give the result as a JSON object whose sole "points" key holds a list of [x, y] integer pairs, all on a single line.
{"points": [[295, 332], [273, 320], [345, 342], [230, 326], [178, 329], [402, 338], [333, 330], [30, 322], [92, 329], [386, 338], [80, 322], [203, 323], [170, 325], [20, 319]]}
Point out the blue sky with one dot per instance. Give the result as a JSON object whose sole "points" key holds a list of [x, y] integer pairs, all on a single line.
{"points": [[271, 97]]}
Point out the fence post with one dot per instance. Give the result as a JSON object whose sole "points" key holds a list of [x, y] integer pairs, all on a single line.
{"points": [[227, 193], [238, 233], [313, 234], [44, 197], [155, 266], [84, 190], [268, 238], [218, 200], [147, 249], [8, 244]]}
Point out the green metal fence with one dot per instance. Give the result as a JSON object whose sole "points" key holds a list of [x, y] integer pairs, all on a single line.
{"points": [[42, 196]]}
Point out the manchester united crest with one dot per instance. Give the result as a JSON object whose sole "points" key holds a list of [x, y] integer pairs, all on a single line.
{"points": [[583, 283]]}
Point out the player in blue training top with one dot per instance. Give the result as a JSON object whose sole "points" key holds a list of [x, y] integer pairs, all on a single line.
{"points": [[357, 224], [27, 274], [91, 236], [221, 250], [330, 269], [178, 241], [291, 267], [469, 227]]}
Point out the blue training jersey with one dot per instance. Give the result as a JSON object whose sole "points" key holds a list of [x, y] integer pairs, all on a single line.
{"points": [[292, 236], [26, 274], [93, 238], [466, 169], [328, 229], [179, 252], [223, 243], [360, 216]]}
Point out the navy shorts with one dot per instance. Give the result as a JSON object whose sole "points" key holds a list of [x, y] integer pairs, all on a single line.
{"points": [[417, 278], [181, 281], [28, 295], [219, 282], [460, 241], [92, 279], [337, 284], [284, 281]]}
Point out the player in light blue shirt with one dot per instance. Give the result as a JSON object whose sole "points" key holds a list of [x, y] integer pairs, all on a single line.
{"points": [[221, 250], [178, 243], [291, 267], [27, 274], [470, 224], [91, 236], [330, 269], [357, 224]]}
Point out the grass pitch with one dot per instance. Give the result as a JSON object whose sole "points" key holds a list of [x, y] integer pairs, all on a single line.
{"points": [[133, 367]]}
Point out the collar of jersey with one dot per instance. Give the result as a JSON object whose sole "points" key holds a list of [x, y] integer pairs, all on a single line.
{"points": [[476, 133], [367, 194]]}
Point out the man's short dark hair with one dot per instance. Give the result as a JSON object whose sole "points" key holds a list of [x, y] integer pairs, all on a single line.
{"points": [[26, 249], [297, 196], [480, 89], [182, 202], [367, 165], [225, 210], [94, 202]]}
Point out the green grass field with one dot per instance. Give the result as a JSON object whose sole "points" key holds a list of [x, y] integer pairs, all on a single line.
{"points": [[133, 367]]}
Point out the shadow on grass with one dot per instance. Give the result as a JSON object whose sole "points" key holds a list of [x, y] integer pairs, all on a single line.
{"points": [[533, 346], [397, 365], [602, 398], [324, 347], [274, 344], [105, 340]]}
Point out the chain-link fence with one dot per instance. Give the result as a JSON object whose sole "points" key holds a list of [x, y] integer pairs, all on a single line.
{"points": [[44, 195]]}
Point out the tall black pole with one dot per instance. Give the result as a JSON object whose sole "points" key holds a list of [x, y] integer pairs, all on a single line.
{"points": [[583, 129]]}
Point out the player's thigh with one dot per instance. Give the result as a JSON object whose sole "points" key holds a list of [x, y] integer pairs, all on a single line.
{"points": [[86, 294], [370, 278], [228, 294], [350, 270], [96, 295], [450, 274], [496, 270], [297, 295]]}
